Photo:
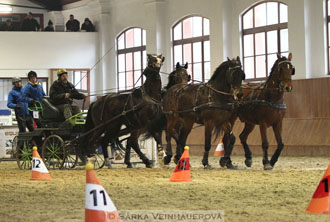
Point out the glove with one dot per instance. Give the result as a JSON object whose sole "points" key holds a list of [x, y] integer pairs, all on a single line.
{"points": [[18, 107]]}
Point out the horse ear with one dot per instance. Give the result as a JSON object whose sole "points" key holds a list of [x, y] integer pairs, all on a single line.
{"points": [[228, 59], [163, 59], [186, 65], [189, 78], [149, 56], [243, 76], [290, 56], [177, 65], [238, 59], [278, 55]]}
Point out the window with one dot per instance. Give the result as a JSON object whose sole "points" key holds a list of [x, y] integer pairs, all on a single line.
{"points": [[6, 86], [131, 58], [191, 43], [328, 34], [265, 33]]}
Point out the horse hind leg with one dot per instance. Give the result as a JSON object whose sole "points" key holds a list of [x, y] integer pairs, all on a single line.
{"points": [[135, 145], [265, 161], [243, 137], [277, 131]]}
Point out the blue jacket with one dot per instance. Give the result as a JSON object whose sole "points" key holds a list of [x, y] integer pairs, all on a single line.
{"points": [[35, 92], [16, 97]]}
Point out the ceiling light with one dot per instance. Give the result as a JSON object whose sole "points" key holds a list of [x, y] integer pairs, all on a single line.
{"points": [[6, 9]]}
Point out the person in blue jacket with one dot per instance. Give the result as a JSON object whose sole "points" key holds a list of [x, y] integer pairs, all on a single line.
{"points": [[19, 102], [34, 91]]}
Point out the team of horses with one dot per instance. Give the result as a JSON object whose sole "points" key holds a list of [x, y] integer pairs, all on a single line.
{"points": [[149, 110]]}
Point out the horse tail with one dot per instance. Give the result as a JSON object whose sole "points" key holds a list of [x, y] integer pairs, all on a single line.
{"points": [[217, 131]]}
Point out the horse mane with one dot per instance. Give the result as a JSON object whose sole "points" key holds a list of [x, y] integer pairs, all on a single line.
{"points": [[283, 58], [219, 71], [171, 79]]}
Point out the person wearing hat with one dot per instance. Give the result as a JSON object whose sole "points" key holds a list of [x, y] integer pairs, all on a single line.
{"points": [[30, 24], [50, 27], [34, 91], [62, 93], [19, 102], [87, 26]]}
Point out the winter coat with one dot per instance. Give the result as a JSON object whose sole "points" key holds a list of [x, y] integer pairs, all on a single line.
{"points": [[35, 92], [16, 97], [72, 26], [30, 25], [58, 90]]}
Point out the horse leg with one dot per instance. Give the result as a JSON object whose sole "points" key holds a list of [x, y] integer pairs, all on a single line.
{"points": [[265, 161], [248, 127], [158, 137], [105, 142], [169, 129], [228, 142], [127, 160], [277, 131], [208, 134], [135, 145], [181, 142]]}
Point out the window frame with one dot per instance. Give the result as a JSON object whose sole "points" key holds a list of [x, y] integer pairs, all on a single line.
{"points": [[328, 35], [262, 29], [132, 50], [203, 38]]}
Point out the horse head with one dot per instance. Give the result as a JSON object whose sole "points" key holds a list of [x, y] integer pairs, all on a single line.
{"points": [[234, 76], [178, 76], [282, 72], [155, 61]]}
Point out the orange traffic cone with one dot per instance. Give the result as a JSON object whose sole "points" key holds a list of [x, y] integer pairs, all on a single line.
{"points": [[98, 205], [39, 170], [182, 170], [320, 203], [219, 151]]}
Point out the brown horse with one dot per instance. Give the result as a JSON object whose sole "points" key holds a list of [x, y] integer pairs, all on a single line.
{"points": [[134, 110], [208, 103], [155, 128], [263, 105]]}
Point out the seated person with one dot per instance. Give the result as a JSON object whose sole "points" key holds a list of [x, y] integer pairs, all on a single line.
{"points": [[72, 25], [7, 26], [30, 24], [50, 26], [62, 93]]}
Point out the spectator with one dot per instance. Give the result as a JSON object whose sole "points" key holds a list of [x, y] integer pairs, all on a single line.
{"points": [[50, 27], [72, 25], [7, 26], [30, 24], [19, 102], [87, 26]]}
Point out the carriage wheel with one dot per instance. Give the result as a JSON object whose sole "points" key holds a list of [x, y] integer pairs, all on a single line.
{"points": [[23, 151], [53, 152], [98, 159], [71, 158]]}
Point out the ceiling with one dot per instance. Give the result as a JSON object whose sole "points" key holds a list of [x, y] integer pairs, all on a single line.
{"points": [[53, 5]]}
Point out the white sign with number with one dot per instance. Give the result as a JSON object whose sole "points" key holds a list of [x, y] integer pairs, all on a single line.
{"points": [[38, 165], [98, 199], [35, 115]]}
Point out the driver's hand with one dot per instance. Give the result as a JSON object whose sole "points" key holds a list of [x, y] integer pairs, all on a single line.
{"points": [[67, 95]]}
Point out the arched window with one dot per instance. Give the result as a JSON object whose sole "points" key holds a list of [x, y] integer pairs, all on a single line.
{"points": [[328, 34], [191, 43], [265, 33], [131, 58]]}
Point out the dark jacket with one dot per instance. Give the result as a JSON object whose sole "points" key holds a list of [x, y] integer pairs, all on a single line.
{"points": [[49, 29], [5, 27], [30, 25], [58, 90], [16, 97], [72, 26], [35, 92], [88, 28]]}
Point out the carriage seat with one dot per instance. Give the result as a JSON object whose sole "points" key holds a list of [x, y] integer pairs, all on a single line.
{"points": [[49, 110]]}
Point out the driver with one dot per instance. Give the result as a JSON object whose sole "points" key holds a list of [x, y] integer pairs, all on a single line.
{"points": [[62, 93]]}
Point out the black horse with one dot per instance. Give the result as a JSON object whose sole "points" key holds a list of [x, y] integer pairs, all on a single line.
{"points": [[208, 103], [134, 110]]}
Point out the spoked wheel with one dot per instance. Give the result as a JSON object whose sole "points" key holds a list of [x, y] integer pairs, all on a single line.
{"points": [[71, 158], [98, 159], [53, 152], [23, 153]]}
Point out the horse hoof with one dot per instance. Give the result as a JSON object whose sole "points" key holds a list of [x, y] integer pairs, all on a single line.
{"points": [[230, 166], [176, 161], [148, 165], [208, 167], [268, 167], [129, 165], [223, 161], [167, 160], [248, 162]]}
